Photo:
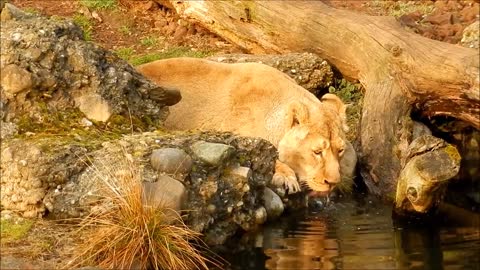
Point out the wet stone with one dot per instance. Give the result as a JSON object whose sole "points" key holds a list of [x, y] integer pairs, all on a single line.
{"points": [[273, 204]]}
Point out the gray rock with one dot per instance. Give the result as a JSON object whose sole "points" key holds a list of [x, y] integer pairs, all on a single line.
{"points": [[470, 35], [212, 153], [273, 204], [39, 173], [239, 177], [48, 66], [307, 69], [171, 161], [165, 193], [9, 12], [260, 215], [420, 129], [15, 79], [7, 130]]}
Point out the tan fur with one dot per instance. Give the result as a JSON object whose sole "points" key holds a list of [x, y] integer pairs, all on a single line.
{"points": [[257, 100]]}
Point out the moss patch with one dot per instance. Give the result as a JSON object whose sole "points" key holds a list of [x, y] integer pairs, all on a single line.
{"points": [[453, 153], [168, 53], [14, 230], [352, 94]]}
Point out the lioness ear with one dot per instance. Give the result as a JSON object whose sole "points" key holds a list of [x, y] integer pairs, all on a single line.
{"points": [[335, 103], [297, 114]]}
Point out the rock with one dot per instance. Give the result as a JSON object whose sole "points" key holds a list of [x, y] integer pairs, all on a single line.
{"points": [[419, 129], [470, 35], [39, 173], [48, 67], [171, 161], [273, 204], [94, 107], [471, 13], [12, 262], [180, 33], [430, 162], [171, 28], [411, 19], [307, 69], [446, 18], [11, 12], [30, 169], [239, 177], [166, 193], [15, 79], [348, 164], [7, 130], [211, 153], [260, 215]]}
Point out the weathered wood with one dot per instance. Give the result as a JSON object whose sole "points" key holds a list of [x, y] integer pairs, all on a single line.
{"points": [[399, 69]]}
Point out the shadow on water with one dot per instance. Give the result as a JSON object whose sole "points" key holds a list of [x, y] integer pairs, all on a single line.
{"points": [[357, 234]]}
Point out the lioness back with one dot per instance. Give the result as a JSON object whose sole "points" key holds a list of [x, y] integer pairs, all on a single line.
{"points": [[247, 98], [257, 100]]}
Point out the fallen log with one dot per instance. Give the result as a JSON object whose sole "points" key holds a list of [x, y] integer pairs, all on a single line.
{"points": [[400, 70]]}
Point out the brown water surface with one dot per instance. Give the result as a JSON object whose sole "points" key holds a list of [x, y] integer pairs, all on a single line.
{"points": [[358, 234]]}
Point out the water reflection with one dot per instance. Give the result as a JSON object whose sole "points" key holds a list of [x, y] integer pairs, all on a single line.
{"points": [[357, 235]]}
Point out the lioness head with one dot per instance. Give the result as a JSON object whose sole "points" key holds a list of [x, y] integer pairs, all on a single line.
{"points": [[313, 145]]}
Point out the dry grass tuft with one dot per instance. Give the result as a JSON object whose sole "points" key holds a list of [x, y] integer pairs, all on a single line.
{"points": [[128, 234]]}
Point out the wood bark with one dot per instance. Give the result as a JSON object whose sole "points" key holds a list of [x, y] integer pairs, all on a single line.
{"points": [[399, 69]]}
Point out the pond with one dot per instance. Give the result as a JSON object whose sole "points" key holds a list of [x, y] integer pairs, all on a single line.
{"points": [[358, 234]]}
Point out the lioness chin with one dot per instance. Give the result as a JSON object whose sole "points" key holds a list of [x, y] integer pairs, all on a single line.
{"points": [[257, 100]]}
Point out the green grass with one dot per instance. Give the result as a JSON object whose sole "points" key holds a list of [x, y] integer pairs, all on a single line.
{"points": [[11, 231], [149, 41], [85, 24], [124, 53], [125, 29], [99, 4], [169, 53]]}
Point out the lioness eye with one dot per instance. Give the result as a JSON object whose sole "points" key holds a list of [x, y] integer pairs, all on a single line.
{"points": [[317, 152]]}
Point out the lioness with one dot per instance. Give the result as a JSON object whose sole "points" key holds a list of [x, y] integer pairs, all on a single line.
{"points": [[257, 100]]}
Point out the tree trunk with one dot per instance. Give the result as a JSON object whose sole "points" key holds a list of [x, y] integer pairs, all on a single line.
{"points": [[399, 69]]}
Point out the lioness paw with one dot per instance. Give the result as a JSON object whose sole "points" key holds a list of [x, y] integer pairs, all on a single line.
{"points": [[285, 177]]}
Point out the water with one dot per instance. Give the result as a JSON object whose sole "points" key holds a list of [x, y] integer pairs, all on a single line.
{"points": [[358, 234]]}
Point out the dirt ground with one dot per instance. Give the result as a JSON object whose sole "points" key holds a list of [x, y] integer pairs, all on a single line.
{"points": [[442, 20], [142, 30]]}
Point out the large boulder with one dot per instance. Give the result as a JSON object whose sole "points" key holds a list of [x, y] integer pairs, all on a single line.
{"points": [[51, 74], [64, 179], [307, 69]]}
